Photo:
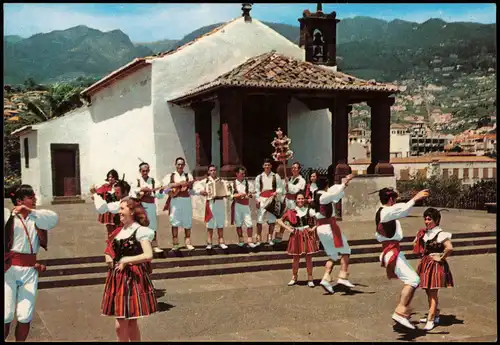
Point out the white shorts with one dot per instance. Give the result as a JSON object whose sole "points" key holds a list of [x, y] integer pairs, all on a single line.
{"points": [[151, 213], [219, 214], [21, 287], [326, 237], [242, 215], [261, 214], [403, 269], [181, 212]]}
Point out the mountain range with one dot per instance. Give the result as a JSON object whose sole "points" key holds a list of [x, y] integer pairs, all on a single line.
{"points": [[367, 47]]}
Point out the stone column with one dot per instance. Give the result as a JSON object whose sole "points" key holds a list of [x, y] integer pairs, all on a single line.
{"points": [[340, 130], [231, 121], [203, 134], [381, 136]]}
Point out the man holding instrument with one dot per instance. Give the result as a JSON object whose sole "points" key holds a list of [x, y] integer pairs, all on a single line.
{"points": [[268, 185], [179, 202], [147, 193]]}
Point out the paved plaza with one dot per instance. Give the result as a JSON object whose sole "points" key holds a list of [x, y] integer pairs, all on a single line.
{"points": [[259, 306]]}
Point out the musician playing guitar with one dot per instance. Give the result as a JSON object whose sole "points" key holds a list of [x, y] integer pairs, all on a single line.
{"points": [[179, 202], [240, 207], [146, 192], [267, 185]]}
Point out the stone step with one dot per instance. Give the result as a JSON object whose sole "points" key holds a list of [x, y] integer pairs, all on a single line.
{"points": [[357, 246], [96, 275], [60, 200]]}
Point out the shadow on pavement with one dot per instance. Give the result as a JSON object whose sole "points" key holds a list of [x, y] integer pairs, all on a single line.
{"points": [[162, 306], [448, 320]]}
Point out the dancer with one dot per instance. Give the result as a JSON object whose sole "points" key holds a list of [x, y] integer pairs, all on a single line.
{"points": [[106, 191], [146, 193], [332, 239], [293, 186], [435, 246], [215, 212], [311, 187], [179, 203], [25, 232], [240, 207], [267, 185], [121, 191], [302, 239], [390, 233], [128, 292]]}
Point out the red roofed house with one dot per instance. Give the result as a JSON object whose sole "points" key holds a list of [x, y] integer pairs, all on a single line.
{"points": [[217, 99]]}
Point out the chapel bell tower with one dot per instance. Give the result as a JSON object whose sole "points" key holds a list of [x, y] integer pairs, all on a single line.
{"points": [[318, 35]]}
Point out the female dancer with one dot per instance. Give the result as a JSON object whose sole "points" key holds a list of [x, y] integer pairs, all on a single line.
{"points": [[302, 238], [435, 246], [129, 293], [106, 191]]}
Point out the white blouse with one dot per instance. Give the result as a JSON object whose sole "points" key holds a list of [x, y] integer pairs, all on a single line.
{"points": [[143, 232]]}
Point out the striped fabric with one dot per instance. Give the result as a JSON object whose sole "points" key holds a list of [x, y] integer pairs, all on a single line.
{"points": [[129, 294], [106, 218], [302, 242], [434, 275]]}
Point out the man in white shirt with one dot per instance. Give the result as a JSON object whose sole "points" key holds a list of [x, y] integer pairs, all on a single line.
{"points": [[267, 185], [25, 232], [240, 207], [390, 233]]}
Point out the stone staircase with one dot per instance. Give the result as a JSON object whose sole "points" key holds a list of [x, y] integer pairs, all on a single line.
{"points": [[85, 271]]}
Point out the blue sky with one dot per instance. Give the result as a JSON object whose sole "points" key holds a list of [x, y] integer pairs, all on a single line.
{"points": [[152, 22]]}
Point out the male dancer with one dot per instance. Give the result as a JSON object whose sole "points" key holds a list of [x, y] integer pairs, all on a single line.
{"points": [[293, 186], [179, 203], [25, 232], [122, 190], [215, 213], [332, 239], [390, 233], [267, 185], [240, 207], [146, 193]]}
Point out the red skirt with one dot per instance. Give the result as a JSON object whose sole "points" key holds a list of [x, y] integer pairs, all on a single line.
{"points": [[106, 218], [302, 242], [434, 275], [129, 294]]}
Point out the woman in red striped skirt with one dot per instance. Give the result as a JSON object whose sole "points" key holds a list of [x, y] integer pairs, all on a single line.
{"points": [[435, 246], [129, 293], [106, 191], [302, 238]]}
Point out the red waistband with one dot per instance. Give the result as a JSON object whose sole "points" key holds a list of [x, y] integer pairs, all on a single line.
{"points": [[148, 199], [23, 260], [291, 196], [266, 193], [388, 245], [324, 221], [243, 201]]}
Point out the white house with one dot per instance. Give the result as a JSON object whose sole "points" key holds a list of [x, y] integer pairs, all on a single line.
{"points": [[217, 99]]}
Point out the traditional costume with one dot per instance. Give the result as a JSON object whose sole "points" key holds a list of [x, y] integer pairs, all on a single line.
{"points": [[129, 293], [23, 239], [310, 189], [107, 192], [390, 233], [265, 185], [292, 188], [215, 215], [332, 239], [240, 207], [179, 206], [301, 241], [148, 199], [433, 274]]}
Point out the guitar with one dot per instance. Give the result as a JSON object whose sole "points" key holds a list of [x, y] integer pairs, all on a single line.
{"points": [[174, 191], [154, 190]]}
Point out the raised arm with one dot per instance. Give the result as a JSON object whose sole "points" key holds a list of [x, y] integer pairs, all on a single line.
{"points": [[333, 194], [102, 207], [45, 219], [401, 210]]}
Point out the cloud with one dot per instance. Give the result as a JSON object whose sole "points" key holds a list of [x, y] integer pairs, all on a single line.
{"points": [[157, 22]]}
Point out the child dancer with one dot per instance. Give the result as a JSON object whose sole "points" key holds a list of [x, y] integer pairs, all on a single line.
{"points": [[302, 238], [129, 293], [435, 246]]}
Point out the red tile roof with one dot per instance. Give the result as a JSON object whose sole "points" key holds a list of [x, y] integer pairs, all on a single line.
{"points": [[273, 70]]}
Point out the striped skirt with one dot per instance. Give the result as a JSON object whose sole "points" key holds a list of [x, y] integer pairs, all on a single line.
{"points": [[302, 242], [106, 218], [129, 294], [434, 275]]}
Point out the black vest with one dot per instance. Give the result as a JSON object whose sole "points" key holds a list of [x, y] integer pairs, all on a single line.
{"points": [[385, 229]]}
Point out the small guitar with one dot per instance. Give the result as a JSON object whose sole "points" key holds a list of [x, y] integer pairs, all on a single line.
{"points": [[154, 190], [174, 191]]}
